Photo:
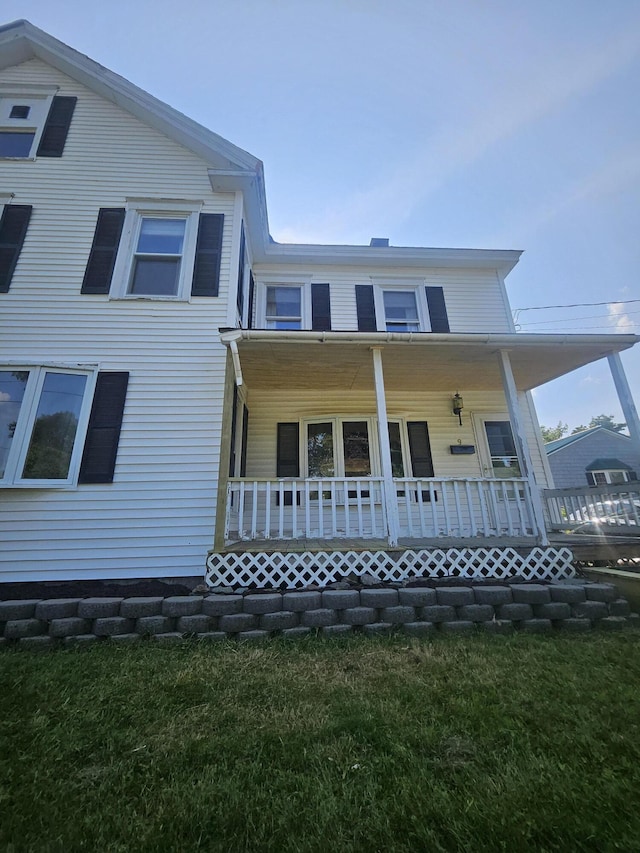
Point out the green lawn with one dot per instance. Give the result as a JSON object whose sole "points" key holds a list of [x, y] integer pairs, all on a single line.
{"points": [[474, 744]]}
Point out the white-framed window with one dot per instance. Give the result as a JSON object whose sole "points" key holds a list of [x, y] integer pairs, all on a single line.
{"points": [[283, 303], [611, 477], [157, 250], [44, 412], [401, 305], [23, 112], [347, 447]]}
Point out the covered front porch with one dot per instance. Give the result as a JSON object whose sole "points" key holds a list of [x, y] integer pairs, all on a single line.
{"points": [[336, 437]]}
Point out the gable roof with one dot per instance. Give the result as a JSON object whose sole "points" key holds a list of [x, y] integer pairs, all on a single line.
{"points": [[559, 443], [608, 464], [230, 168]]}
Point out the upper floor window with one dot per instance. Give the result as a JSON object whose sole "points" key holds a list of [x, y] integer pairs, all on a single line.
{"points": [[34, 121], [157, 250], [293, 305], [401, 306], [401, 311], [284, 307], [157, 259]]}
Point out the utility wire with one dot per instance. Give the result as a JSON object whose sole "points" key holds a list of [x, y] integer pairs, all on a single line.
{"points": [[578, 305], [577, 319]]}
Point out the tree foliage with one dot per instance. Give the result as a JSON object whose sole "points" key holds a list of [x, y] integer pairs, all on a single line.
{"points": [[553, 433], [560, 430]]}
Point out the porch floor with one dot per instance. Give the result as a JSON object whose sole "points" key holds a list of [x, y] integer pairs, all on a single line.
{"points": [[295, 546]]}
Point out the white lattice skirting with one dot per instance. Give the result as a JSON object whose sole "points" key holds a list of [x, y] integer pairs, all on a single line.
{"points": [[298, 570]]}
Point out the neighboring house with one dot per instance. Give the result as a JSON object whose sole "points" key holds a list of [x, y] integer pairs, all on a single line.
{"points": [[175, 383], [594, 457]]}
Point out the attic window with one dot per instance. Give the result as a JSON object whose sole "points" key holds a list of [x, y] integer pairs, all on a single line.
{"points": [[20, 111], [22, 118], [34, 122], [16, 143]]}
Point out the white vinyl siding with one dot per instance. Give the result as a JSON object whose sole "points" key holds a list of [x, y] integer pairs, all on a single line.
{"points": [[158, 516], [474, 297]]}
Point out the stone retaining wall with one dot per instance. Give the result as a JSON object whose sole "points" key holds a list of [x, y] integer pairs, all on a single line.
{"points": [[417, 611]]}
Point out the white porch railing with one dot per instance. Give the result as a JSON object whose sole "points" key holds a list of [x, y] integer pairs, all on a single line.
{"points": [[595, 509], [343, 508], [464, 508]]}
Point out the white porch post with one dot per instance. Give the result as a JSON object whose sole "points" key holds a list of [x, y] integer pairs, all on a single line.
{"points": [[626, 400], [522, 446], [391, 505]]}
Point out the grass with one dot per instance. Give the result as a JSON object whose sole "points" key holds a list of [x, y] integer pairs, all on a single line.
{"points": [[474, 744]]}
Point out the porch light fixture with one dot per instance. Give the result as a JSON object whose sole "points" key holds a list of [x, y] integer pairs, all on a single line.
{"points": [[457, 404]]}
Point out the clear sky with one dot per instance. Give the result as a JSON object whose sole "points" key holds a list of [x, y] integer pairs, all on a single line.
{"points": [[465, 123]]}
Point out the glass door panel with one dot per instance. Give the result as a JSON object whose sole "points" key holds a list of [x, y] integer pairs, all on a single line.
{"points": [[355, 439], [320, 450], [502, 449]]}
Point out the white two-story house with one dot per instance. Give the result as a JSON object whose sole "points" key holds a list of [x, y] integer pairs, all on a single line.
{"points": [[181, 394]]}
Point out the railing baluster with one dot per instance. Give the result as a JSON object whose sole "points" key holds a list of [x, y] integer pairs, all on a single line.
{"points": [[484, 511], [494, 506], [420, 505], [523, 525], [372, 508], [408, 508], [254, 511], [347, 509], [294, 509], [227, 515], [241, 512], [456, 499], [507, 506], [359, 505], [445, 508], [433, 494], [281, 510], [307, 509], [472, 513], [334, 510], [267, 510], [320, 509]]}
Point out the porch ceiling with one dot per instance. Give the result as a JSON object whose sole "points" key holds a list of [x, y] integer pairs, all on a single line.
{"points": [[338, 360]]}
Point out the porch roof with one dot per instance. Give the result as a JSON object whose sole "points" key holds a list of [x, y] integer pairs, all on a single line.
{"points": [[342, 360]]}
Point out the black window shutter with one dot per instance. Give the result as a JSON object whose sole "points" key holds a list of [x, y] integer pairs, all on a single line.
{"points": [[320, 307], [56, 127], [366, 308], [591, 480], [437, 309], [234, 427], [252, 290], [245, 438], [13, 229], [240, 294], [102, 257], [206, 270], [420, 449], [288, 459], [103, 433]]}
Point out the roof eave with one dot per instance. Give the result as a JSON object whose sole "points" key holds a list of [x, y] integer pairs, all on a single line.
{"points": [[503, 260]]}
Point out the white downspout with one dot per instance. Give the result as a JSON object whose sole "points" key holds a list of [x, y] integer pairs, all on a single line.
{"points": [[522, 446], [391, 505]]}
